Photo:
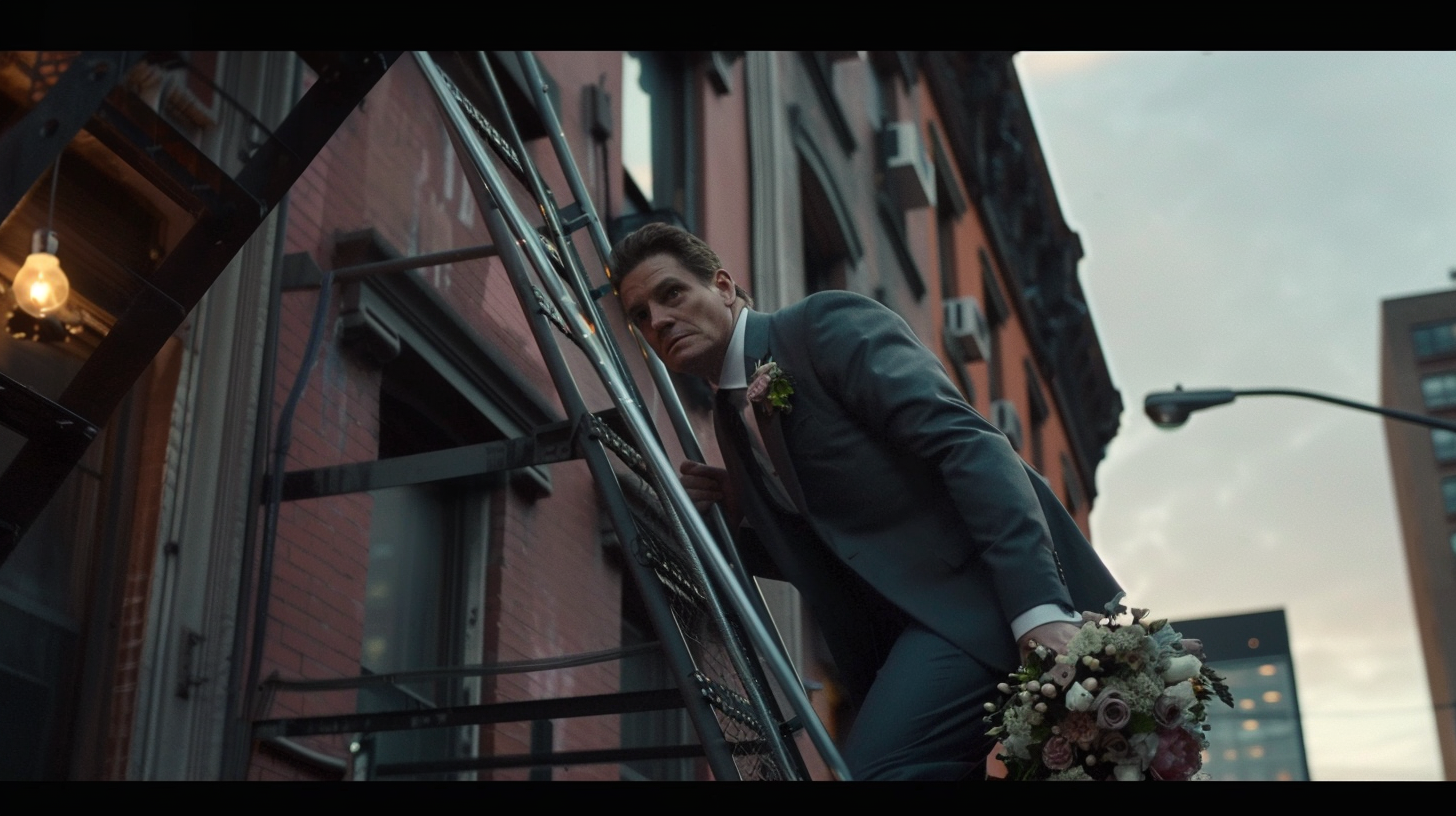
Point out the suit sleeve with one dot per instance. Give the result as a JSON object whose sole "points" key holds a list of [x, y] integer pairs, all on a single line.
{"points": [[869, 358]]}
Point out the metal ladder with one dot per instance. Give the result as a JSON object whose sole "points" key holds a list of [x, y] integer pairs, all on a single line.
{"points": [[709, 618]]}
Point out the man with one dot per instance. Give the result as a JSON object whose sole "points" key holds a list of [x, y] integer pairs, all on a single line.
{"points": [[923, 546]]}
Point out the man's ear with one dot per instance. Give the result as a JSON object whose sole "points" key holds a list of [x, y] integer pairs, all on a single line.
{"points": [[723, 284]]}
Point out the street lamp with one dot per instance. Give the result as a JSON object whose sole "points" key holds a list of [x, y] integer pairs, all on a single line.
{"points": [[1170, 409]]}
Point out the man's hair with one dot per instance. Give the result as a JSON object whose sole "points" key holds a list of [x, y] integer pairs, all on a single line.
{"points": [[665, 239]]}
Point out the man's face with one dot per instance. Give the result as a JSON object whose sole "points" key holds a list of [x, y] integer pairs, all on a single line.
{"points": [[687, 322]]}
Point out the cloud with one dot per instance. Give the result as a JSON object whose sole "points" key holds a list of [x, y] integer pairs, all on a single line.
{"points": [[1051, 65], [1243, 215]]}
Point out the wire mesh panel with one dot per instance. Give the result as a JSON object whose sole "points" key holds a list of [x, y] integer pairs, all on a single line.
{"points": [[724, 671], [716, 677]]}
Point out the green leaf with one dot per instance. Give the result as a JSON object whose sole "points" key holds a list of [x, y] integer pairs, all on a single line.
{"points": [[1141, 723]]}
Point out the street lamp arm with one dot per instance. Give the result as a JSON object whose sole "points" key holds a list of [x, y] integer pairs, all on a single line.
{"points": [[1393, 413], [1170, 409]]}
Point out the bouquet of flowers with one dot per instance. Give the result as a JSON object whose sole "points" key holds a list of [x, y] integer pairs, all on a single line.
{"points": [[1126, 703]]}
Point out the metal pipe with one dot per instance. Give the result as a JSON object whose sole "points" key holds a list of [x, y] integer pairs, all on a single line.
{"points": [[577, 277], [351, 273], [677, 415], [719, 757], [755, 683], [591, 344]]}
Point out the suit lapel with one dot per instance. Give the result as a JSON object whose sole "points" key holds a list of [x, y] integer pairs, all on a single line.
{"points": [[756, 350]]}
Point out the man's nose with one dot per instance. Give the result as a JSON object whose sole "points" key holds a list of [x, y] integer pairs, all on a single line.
{"points": [[660, 318]]}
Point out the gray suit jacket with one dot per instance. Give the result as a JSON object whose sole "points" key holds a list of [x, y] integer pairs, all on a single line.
{"points": [[900, 485]]}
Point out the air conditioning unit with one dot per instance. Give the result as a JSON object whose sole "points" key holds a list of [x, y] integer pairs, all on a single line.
{"points": [[1004, 416], [907, 164], [966, 328]]}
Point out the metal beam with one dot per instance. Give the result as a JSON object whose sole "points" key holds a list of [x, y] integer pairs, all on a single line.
{"points": [[605, 756], [309, 278], [451, 463], [597, 705], [31, 145], [549, 444], [478, 670], [181, 280]]}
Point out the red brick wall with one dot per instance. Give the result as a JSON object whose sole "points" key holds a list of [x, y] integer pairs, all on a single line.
{"points": [[550, 592], [971, 238]]}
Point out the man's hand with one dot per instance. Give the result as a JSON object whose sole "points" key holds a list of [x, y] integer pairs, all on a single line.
{"points": [[1054, 635], [706, 485]]}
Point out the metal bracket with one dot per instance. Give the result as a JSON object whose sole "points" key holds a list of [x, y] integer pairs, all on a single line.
{"points": [[545, 307], [187, 677]]}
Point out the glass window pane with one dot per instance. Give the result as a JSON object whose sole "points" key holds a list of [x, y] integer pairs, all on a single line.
{"points": [[1444, 443], [654, 127], [1439, 390], [1435, 339], [1448, 493], [636, 125]]}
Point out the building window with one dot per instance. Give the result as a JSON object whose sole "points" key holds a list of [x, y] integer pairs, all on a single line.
{"points": [[1448, 494], [1039, 413], [826, 254], [657, 133], [646, 729], [832, 247], [1444, 444], [1439, 390], [945, 221], [1434, 339], [1071, 486], [415, 591], [997, 313]]}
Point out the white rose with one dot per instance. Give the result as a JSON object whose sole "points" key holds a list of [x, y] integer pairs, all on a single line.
{"points": [[1144, 747], [1128, 772], [1182, 694], [1182, 668], [1078, 698]]}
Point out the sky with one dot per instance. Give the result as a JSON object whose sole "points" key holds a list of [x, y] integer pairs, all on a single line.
{"points": [[1243, 215]]}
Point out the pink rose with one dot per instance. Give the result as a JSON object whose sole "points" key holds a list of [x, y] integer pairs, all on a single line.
{"points": [[758, 388], [1056, 753], [1114, 747], [1180, 755], [1079, 728], [1193, 647], [1167, 711], [1112, 711]]}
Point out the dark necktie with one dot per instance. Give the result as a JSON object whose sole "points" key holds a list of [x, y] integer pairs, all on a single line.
{"points": [[729, 404]]}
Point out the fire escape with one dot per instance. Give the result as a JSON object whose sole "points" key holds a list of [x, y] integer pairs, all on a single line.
{"points": [[731, 675]]}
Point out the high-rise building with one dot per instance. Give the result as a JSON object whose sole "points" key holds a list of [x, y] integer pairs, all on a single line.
{"points": [[1418, 374], [1261, 737]]}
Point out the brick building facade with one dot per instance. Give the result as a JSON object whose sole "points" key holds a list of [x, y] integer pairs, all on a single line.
{"points": [[911, 177]]}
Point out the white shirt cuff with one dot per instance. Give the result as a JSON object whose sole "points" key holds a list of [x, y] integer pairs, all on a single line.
{"points": [[1037, 615]]}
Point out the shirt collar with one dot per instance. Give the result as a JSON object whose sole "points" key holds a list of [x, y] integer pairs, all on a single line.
{"points": [[733, 375]]}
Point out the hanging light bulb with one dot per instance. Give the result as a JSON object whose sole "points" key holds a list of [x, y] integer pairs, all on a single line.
{"points": [[41, 287]]}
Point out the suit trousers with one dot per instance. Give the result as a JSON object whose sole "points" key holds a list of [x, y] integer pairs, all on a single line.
{"points": [[923, 718]]}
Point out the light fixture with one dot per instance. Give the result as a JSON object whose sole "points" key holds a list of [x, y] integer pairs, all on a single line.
{"points": [[40, 290], [41, 287], [1170, 409]]}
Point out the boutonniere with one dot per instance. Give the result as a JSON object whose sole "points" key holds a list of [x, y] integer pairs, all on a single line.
{"points": [[771, 387]]}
